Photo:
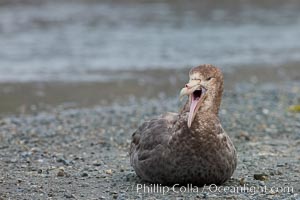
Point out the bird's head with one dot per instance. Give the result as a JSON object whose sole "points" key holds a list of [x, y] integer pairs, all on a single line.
{"points": [[204, 89]]}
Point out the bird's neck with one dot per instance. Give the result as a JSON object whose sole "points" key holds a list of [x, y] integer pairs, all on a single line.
{"points": [[211, 103]]}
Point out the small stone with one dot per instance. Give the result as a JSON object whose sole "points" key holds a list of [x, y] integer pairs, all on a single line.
{"points": [[242, 181], [261, 177], [244, 135], [265, 111], [61, 172], [109, 171], [40, 171], [34, 150], [97, 163], [69, 196], [84, 174]]}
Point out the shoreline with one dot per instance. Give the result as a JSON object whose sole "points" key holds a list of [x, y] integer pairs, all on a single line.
{"points": [[33, 97]]}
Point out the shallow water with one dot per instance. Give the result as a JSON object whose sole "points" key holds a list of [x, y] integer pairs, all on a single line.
{"points": [[76, 40]]}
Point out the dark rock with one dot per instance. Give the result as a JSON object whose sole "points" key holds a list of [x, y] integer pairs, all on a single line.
{"points": [[242, 181], [84, 174], [61, 173], [261, 177]]}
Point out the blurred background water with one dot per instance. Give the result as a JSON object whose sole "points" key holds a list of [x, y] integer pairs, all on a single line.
{"points": [[77, 40]]}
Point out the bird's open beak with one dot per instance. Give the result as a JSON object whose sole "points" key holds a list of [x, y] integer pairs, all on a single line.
{"points": [[196, 93]]}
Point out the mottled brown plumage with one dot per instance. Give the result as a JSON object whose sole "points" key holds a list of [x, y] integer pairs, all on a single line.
{"points": [[191, 146]]}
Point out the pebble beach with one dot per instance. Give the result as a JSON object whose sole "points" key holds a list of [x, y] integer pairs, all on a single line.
{"points": [[83, 153]]}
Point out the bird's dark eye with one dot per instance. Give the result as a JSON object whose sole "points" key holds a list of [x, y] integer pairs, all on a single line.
{"points": [[209, 78]]}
